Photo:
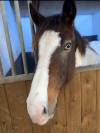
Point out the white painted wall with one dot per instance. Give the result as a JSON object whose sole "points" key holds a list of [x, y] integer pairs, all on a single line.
{"points": [[84, 24], [96, 24], [3, 48], [27, 33]]}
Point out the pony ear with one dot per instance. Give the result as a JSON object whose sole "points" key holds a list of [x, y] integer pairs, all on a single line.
{"points": [[69, 11], [36, 17]]}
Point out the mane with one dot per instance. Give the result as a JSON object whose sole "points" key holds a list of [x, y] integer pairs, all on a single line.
{"points": [[81, 43]]}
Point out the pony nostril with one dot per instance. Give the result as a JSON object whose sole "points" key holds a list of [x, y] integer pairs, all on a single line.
{"points": [[45, 110]]}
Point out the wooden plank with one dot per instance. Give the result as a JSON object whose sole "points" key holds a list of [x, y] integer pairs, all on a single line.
{"points": [[16, 93], [23, 77], [88, 80], [6, 30], [1, 129], [98, 102], [88, 68], [18, 20], [17, 78], [39, 129], [28, 86], [73, 105], [5, 117]]}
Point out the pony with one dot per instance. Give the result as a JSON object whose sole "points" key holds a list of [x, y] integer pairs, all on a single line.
{"points": [[58, 49]]}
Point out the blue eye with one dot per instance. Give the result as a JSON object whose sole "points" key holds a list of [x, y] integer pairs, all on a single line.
{"points": [[68, 45]]}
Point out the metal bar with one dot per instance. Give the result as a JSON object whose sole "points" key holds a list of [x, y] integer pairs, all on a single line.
{"points": [[1, 69], [6, 30], [18, 20]]}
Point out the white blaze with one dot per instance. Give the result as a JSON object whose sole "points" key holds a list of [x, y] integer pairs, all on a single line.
{"points": [[48, 43]]}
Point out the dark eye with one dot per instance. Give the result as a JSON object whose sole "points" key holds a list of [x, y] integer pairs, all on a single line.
{"points": [[68, 45]]}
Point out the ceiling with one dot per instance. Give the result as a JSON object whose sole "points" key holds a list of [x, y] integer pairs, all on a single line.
{"points": [[50, 7]]}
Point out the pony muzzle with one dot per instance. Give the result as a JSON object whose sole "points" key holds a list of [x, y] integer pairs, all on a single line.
{"points": [[38, 113]]}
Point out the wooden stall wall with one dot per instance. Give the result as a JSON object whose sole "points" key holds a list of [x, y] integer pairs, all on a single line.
{"points": [[78, 109]]}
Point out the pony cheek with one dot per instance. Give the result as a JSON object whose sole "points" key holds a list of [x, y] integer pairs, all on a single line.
{"points": [[52, 100]]}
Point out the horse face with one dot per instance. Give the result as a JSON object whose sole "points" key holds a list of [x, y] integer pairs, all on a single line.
{"points": [[55, 51]]}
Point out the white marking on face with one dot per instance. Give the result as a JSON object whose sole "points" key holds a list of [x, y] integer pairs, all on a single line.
{"points": [[38, 96]]}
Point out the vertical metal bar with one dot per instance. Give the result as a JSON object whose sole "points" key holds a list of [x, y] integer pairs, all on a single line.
{"points": [[1, 69], [6, 30], [18, 20]]}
